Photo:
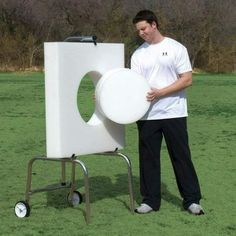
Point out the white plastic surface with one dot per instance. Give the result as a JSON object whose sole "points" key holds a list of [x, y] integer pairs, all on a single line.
{"points": [[121, 95], [65, 66]]}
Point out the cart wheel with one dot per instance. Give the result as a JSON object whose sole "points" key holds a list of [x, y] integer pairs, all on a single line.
{"points": [[22, 209], [75, 199]]}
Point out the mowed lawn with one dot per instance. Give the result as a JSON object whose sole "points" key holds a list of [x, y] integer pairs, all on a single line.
{"points": [[212, 135]]}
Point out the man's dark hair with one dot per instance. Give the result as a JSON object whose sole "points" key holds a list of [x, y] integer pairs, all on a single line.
{"points": [[146, 15]]}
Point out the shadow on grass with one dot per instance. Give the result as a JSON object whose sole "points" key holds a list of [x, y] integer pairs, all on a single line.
{"points": [[169, 197], [102, 187]]}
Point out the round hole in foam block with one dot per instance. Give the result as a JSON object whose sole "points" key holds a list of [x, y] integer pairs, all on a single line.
{"points": [[121, 96]]}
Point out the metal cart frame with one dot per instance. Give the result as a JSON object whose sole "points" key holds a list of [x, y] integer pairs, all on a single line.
{"points": [[72, 185]]}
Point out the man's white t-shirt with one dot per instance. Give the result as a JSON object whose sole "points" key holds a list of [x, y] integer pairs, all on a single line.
{"points": [[161, 64]]}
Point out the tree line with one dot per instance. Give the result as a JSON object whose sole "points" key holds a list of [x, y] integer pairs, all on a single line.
{"points": [[206, 27]]}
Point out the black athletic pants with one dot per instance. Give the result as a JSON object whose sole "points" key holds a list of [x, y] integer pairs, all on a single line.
{"points": [[175, 133]]}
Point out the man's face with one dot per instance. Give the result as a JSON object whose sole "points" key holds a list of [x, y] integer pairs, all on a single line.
{"points": [[146, 31]]}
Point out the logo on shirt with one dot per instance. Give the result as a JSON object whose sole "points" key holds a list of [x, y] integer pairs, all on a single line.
{"points": [[164, 53]]}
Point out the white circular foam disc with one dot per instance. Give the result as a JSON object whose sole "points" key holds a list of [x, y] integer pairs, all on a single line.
{"points": [[121, 96]]}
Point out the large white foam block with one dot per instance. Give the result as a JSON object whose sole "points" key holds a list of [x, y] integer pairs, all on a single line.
{"points": [[121, 95], [66, 131]]}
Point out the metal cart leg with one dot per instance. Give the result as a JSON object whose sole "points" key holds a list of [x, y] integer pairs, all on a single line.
{"points": [[63, 173], [72, 185], [86, 186], [128, 162], [29, 191], [130, 180], [29, 180]]}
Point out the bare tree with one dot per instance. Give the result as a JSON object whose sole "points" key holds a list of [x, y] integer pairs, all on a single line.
{"points": [[205, 27]]}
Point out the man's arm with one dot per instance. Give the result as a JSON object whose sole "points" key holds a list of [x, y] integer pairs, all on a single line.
{"points": [[184, 81]]}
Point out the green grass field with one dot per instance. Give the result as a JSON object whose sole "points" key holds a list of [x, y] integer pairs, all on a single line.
{"points": [[212, 131]]}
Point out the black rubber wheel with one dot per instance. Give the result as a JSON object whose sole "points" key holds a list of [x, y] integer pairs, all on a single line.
{"points": [[22, 209], [75, 199]]}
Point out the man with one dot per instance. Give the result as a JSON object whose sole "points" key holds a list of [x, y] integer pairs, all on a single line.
{"points": [[165, 63]]}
